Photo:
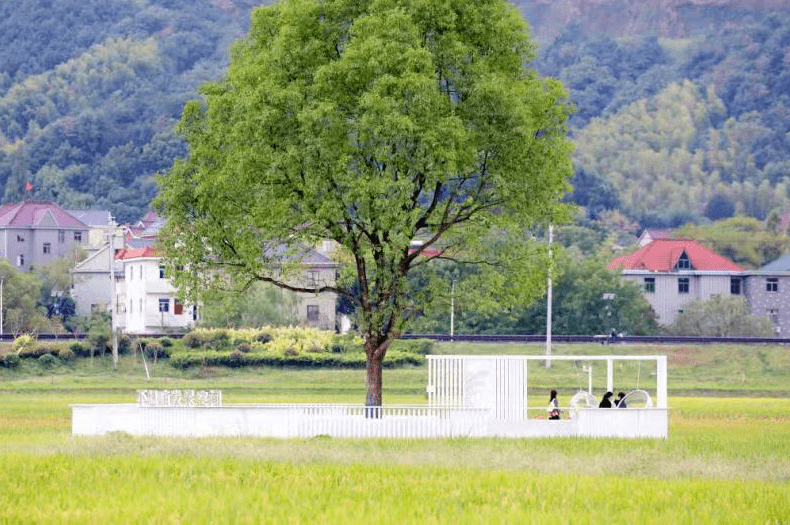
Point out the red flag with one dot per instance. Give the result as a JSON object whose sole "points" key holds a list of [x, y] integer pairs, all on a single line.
{"points": [[28, 186]]}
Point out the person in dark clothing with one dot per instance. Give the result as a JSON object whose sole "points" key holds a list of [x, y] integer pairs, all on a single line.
{"points": [[554, 408], [606, 402], [620, 401]]}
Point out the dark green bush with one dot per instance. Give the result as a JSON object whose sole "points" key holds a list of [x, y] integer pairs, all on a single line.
{"points": [[47, 360], [125, 345], [218, 340], [263, 337], [192, 340], [79, 349], [154, 350], [166, 342], [66, 354], [416, 346], [36, 351], [355, 360], [9, 360]]}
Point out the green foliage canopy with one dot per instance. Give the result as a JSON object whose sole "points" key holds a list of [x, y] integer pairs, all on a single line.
{"points": [[720, 316], [370, 123]]}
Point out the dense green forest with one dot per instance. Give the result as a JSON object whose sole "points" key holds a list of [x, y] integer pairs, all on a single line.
{"points": [[685, 124]]}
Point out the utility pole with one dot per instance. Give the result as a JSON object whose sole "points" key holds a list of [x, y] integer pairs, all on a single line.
{"points": [[452, 309], [548, 298], [111, 249]]}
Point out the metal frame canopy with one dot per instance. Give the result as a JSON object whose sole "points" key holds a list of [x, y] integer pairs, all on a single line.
{"points": [[500, 382]]}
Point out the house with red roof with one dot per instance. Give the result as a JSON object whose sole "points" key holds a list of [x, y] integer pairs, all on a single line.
{"points": [[36, 233], [673, 272], [147, 301]]}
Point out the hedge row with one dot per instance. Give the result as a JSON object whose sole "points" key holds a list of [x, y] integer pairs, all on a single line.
{"points": [[9, 360], [394, 359]]}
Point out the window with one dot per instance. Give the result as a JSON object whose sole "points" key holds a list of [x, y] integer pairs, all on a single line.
{"points": [[47, 248], [164, 305], [312, 278], [683, 285], [735, 286], [683, 262], [20, 237], [650, 284], [178, 307], [77, 236], [20, 260], [312, 313], [161, 272], [61, 236], [772, 284]]}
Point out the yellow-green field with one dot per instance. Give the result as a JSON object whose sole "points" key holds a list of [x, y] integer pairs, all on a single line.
{"points": [[727, 458]]}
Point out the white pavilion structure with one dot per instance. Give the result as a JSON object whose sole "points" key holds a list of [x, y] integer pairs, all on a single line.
{"points": [[468, 396]]}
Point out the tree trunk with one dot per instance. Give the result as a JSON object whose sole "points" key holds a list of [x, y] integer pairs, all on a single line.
{"points": [[375, 349], [373, 398]]}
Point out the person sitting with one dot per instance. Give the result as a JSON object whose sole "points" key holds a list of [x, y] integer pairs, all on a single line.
{"points": [[619, 402], [606, 402], [554, 409]]}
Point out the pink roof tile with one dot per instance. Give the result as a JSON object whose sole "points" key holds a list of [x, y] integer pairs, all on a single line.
{"points": [[661, 256], [137, 253], [31, 213]]}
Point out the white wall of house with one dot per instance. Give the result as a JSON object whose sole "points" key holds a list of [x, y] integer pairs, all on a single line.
{"points": [[668, 299], [151, 303]]}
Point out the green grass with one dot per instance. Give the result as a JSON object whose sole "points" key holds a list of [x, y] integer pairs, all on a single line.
{"points": [[727, 458]]}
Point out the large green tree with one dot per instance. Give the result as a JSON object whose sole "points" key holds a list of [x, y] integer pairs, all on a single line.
{"points": [[371, 123]]}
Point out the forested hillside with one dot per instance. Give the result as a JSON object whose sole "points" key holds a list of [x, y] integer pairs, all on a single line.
{"points": [[90, 91], [683, 108]]}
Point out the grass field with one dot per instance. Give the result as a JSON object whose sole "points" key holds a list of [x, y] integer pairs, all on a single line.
{"points": [[727, 458]]}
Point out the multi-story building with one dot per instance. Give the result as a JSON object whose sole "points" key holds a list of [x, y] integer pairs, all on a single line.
{"points": [[673, 272], [36, 233]]}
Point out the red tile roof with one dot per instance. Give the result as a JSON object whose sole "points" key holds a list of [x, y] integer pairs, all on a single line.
{"points": [[31, 213], [661, 256], [138, 253]]}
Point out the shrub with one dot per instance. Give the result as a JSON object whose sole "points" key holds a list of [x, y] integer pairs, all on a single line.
{"points": [[290, 351], [154, 350], [23, 342], [236, 359], [79, 349], [166, 342], [47, 360], [9, 360], [218, 340], [125, 344], [192, 340], [243, 347], [66, 354], [263, 337]]}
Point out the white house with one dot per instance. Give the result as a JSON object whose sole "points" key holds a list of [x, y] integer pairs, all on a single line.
{"points": [[673, 272], [151, 304]]}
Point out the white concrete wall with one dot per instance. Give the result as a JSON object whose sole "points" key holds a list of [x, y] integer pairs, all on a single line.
{"points": [[289, 421]]}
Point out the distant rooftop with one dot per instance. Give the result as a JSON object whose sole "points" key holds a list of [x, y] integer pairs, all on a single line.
{"points": [[662, 256], [37, 213]]}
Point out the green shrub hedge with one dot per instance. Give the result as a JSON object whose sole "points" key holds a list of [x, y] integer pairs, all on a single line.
{"points": [[235, 359], [9, 360]]}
